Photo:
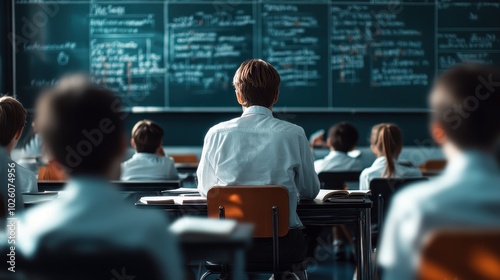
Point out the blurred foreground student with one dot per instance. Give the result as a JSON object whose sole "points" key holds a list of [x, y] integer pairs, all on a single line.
{"points": [[12, 122], [465, 102], [386, 142], [257, 149], [82, 129], [149, 161], [342, 138]]}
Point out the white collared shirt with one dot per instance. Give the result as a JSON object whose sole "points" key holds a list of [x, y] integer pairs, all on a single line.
{"points": [[92, 209], [466, 195], [338, 161], [257, 149], [377, 171], [26, 180], [146, 166]]}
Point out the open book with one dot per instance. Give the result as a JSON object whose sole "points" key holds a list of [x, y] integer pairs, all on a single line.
{"points": [[342, 195], [180, 200]]}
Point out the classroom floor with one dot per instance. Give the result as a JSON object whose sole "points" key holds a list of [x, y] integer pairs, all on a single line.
{"points": [[328, 269]]}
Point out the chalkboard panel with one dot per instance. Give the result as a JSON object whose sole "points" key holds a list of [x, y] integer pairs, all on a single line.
{"points": [[182, 55]]}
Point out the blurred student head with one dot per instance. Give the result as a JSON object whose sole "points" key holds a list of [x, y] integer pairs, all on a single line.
{"points": [[82, 129], [343, 137], [147, 137], [12, 122], [465, 102], [257, 84], [386, 140]]}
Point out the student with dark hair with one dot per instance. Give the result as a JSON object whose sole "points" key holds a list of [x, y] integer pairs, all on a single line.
{"points": [[386, 142], [257, 149], [12, 122], [465, 103], [149, 161], [82, 130], [342, 138]]}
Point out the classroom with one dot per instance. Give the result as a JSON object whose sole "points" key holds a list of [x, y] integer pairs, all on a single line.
{"points": [[249, 139]]}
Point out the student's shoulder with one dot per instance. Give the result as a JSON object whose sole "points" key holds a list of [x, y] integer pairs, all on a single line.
{"points": [[23, 171], [289, 127], [223, 126], [415, 194]]}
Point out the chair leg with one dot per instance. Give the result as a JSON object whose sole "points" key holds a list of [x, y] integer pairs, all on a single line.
{"points": [[205, 275]]}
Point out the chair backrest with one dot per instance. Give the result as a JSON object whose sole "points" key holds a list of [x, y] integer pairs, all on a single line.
{"points": [[433, 165], [461, 254], [252, 204], [382, 190], [337, 180], [184, 158]]}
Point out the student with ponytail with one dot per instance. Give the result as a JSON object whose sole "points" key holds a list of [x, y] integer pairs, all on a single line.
{"points": [[386, 143]]}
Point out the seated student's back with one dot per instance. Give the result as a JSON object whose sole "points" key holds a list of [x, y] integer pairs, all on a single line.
{"points": [[83, 129], [149, 161], [466, 195], [12, 122], [258, 149], [386, 142], [342, 138]]}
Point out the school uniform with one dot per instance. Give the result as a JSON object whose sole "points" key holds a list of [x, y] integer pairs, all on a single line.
{"points": [[34, 147], [91, 209], [338, 161], [464, 196], [148, 167], [257, 149], [377, 171]]}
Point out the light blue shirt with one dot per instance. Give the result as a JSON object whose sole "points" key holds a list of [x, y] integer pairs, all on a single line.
{"points": [[257, 149], [26, 180], [466, 195], [338, 161], [92, 209], [148, 167], [377, 171]]}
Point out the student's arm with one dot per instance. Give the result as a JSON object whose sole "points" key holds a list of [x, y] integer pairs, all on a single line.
{"points": [[206, 172], [364, 180], [306, 178]]}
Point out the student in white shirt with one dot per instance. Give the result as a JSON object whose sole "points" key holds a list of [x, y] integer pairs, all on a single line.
{"points": [[342, 138], [149, 161], [12, 122], [386, 142], [465, 102], [82, 129], [258, 149]]}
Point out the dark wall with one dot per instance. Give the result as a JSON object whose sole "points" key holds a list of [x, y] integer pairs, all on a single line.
{"points": [[5, 48]]}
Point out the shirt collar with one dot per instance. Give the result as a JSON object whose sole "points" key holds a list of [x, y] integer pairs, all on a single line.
{"points": [[472, 160], [335, 153], [87, 186], [144, 155], [257, 110]]}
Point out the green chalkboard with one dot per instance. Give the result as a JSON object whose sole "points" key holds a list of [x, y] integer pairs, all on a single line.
{"points": [[181, 55]]}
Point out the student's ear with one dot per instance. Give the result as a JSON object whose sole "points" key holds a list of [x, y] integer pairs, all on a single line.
{"points": [[276, 98], [239, 98], [329, 142], [374, 149], [438, 133], [18, 134], [132, 143]]}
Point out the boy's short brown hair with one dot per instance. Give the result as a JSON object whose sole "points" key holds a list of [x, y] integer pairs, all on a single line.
{"points": [[343, 137], [147, 136], [12, 119], [258, 83]]}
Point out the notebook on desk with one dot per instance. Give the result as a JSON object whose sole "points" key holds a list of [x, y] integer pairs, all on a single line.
{"points": [[179, 200], [342, 195], [192, 227]]}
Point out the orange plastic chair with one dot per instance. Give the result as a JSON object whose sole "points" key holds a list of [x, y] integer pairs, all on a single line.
{"points": [[266, 207], [461, 254], [51, 172], [184, 158]]}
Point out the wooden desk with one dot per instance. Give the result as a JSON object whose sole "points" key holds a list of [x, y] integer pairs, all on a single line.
{"points": [[311, 213]]}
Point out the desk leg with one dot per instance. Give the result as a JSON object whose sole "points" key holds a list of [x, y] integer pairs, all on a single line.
{"points": [[364, 246], [367, 250], [239, 265]]}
